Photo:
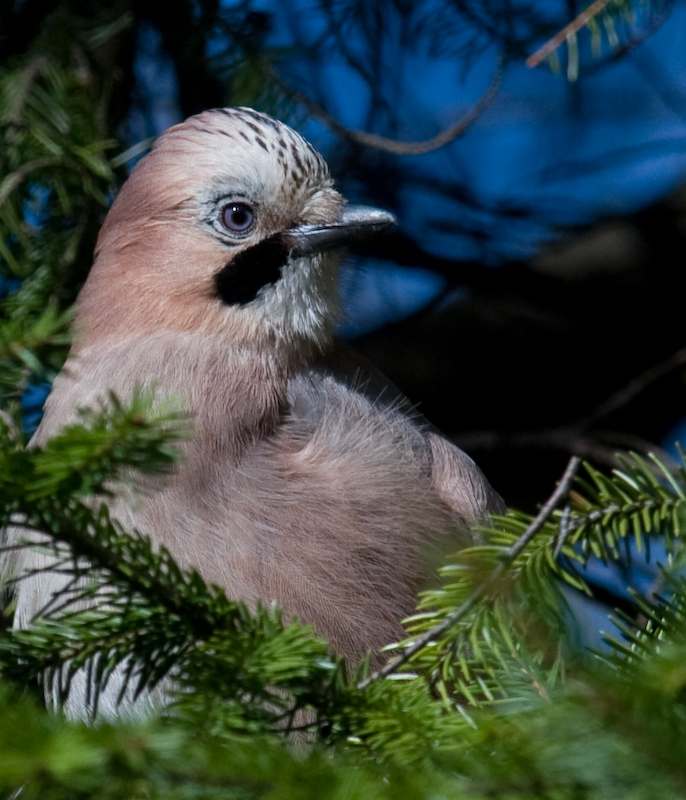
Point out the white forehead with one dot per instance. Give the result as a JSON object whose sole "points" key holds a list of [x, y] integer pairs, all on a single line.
{"points": [[245, 149]]}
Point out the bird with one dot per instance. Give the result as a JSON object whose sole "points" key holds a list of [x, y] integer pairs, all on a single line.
{"points": [[309, 480]]}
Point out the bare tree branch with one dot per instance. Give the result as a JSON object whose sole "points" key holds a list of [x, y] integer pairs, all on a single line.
{"points": [[635, 387], [394, 146], [579, 22], [583, 438], [599, 446], [570, 31]]}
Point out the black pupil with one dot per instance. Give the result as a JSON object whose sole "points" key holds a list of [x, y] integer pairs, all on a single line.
{"points": [[237, 216]]}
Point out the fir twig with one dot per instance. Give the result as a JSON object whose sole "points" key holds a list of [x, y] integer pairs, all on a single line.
{"points": [[483, 589]]}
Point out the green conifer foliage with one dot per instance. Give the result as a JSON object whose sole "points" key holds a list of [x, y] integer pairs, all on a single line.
{"points": [[489, 696]]}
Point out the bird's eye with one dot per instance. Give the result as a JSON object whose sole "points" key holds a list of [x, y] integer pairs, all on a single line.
{"points": [[237, 217]]}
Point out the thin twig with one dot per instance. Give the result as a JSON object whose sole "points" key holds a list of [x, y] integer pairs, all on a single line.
{"points": [[570, 31], [578, 438], [394, 146], [621, 51], [563, 532], [510, 555], [579, 22], [635, 387], [546, 510], [599, 446], [20, 174]]}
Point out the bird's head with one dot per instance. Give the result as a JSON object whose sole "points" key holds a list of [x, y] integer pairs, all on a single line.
{"points": [[228, 226]]}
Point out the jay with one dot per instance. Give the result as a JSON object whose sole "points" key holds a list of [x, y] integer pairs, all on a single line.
{"points": [[309, 481]]}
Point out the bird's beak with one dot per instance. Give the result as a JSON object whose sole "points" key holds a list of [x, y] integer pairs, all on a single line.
{"points": [[354, 223]]}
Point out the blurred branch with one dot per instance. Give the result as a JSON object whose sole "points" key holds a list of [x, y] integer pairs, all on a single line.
{"points": [[635, 387], [588, 19], [570, 30], [14, 179], [599, 446], [580, 438], [638, 38], [394, 146]]}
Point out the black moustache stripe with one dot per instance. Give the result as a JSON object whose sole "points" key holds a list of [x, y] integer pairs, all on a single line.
{"points": [[241, 279]]}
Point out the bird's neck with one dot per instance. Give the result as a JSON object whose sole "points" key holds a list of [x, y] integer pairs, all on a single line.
{"points": [[237, 397], [233, 394]]}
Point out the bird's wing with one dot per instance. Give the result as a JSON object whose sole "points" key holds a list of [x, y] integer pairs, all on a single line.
{"points": [[458, 481]]}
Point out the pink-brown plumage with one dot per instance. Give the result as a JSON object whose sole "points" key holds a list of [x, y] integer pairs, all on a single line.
{"points": [[308, 481]]}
